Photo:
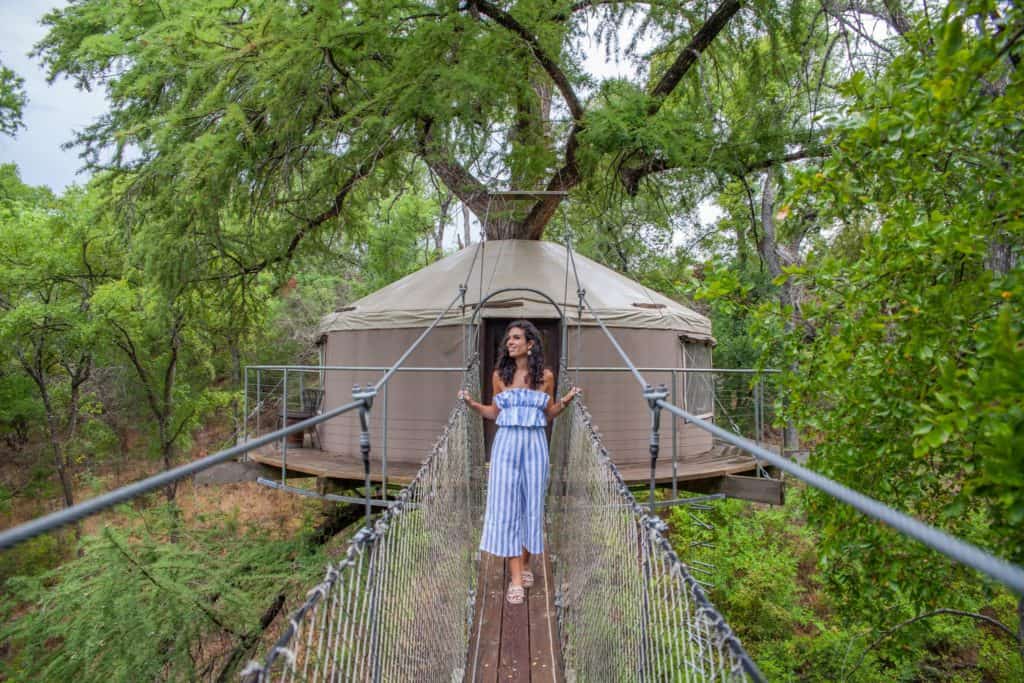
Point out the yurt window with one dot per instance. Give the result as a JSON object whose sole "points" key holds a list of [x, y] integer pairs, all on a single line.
{"points": [[699, 386]]}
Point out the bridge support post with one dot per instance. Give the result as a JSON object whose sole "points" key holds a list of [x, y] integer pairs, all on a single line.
{"points": [[284, 423], [366, 396], [654, 394]]}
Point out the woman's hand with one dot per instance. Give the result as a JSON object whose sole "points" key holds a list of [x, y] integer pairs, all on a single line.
{"points": [[573, 393], [489, 412]]}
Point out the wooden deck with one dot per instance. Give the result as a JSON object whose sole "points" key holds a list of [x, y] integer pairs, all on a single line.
{"points": [[314, 462], [514, 642], [717, 462]]}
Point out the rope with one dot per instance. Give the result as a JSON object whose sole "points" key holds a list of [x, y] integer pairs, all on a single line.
{"points": [[395, 607], [629, 608]]}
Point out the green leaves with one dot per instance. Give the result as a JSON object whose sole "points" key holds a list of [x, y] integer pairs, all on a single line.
{"points": [[905, 370], [134, 606], [12, 100]]}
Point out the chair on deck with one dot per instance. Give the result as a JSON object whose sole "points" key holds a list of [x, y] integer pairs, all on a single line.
{"points": [[310, 403]]}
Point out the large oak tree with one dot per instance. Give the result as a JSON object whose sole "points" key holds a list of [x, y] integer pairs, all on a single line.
{"points": [[290, 112]]}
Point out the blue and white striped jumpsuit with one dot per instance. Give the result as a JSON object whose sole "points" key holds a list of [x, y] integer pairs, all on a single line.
{"points": [[519, 474]]}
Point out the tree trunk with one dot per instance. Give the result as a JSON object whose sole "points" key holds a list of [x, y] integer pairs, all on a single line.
{"points": [[768, 248], [467, 236], [167, 457], [1001, 258], [442, 222], [59, 459]]}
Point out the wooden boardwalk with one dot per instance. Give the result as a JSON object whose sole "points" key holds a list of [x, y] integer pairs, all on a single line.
{"points": [[514, 642]]}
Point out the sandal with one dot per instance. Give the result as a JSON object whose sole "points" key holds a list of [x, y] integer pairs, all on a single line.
{"points": [[527, 578], [515, 595]]}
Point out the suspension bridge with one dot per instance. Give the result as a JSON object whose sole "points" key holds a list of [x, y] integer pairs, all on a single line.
{"points": [[413, 600]]}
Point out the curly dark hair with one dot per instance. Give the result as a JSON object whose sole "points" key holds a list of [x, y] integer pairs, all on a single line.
{"points": [[535, 361]]}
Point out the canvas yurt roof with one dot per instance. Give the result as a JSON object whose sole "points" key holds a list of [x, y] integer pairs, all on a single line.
{"points": [[417, 299]]}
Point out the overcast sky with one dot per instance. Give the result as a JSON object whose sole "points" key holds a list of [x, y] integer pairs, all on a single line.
{"points": [[53, 113]]}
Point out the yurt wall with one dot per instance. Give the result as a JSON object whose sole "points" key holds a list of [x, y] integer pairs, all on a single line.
{"points": [[615, 398], [418, 403]]}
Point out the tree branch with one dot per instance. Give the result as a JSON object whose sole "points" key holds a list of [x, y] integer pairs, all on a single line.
{"points": [[691, 53], [127, 345], [507, 21], [954, 612], [149, 576], [630, 176], [799, 155], [590, 4], [362, 171], [455, 177], [172, 366]]}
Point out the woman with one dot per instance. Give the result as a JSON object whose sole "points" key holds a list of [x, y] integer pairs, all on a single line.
{"points": [[524, 401]]}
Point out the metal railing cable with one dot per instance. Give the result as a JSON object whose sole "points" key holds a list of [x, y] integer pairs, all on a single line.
{"points": [[628, 607], [41, 525], [410, 574], [1010, 575], [362, 401], [1006, 573]]}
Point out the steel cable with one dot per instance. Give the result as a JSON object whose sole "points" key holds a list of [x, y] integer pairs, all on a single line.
{"points": [[629, 608]]}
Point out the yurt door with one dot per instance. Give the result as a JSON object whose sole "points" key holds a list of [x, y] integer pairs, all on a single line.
{"points": [[494, 333]]}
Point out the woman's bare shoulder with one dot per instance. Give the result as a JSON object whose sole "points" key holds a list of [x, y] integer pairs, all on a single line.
{"points": [[548, 375], [496, 382]]}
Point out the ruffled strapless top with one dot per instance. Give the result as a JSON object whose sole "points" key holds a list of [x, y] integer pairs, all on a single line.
{"points": [[522, 408]]}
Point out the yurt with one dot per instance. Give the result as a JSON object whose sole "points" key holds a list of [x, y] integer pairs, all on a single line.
{"points": [[516, 279]]}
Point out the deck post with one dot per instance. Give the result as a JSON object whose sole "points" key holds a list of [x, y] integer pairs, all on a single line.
{"points": [[653, 395], [245, 407], [757, 409], [675, 440], [259, 402], [284, 423], [366, 396], [384, 447]]}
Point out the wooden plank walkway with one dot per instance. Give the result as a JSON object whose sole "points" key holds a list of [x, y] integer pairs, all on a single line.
{"points": [[514, 642]]}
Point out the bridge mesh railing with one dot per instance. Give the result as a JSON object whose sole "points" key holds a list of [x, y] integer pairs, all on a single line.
{"points": [[629, 608], [398, 606]]}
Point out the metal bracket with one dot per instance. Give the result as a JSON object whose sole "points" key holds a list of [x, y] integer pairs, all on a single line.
{"points": [[365, 395], [653, 394]]}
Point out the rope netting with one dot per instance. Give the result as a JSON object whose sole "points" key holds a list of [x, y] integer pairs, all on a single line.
{"points": [[629, 608], [398, 607]]}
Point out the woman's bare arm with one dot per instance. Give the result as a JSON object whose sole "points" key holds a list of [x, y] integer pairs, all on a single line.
{"points": [[487, 411], [555, 408]]}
